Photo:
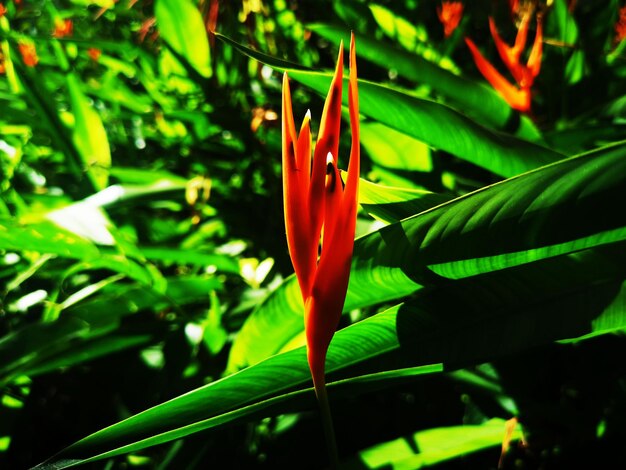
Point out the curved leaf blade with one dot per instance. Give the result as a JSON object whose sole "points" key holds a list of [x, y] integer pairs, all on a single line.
{"points": [[432, 123], [462, 323], [551, 211]]}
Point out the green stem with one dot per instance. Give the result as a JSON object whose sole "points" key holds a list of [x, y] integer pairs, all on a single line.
{"points": [[327, 423]]}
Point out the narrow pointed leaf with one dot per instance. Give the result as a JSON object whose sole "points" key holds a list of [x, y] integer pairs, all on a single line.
{"points": [[90, 136], [436, 125]]}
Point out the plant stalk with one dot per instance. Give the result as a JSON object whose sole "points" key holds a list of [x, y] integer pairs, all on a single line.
{"points": [[327, 423]]}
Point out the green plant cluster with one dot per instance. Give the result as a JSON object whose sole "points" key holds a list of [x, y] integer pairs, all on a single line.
{"points": [[149, 317]]}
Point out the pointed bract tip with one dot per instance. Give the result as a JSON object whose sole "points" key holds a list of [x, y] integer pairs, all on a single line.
{"points": [[308, 114], [329, 159]]}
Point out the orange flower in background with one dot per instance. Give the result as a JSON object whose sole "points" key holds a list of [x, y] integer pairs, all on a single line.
{"points": [[29, 54], [3, 10], [620, 26], [211, 20], [518, 97], [450, 14], [315, 201], [63, 28], [94, 53]]}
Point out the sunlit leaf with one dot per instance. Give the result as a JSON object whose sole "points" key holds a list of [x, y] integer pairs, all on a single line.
{"points": [[181, 26], [434, 446], [44, 237], [90, 136]]}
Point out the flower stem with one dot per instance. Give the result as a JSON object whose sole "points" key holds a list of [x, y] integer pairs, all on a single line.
{"points": [[327, 423]]}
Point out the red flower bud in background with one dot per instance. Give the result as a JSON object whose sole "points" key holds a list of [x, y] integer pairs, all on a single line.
{"points": [[450, 14], [63, 28], [29, 54], [94, 53]]}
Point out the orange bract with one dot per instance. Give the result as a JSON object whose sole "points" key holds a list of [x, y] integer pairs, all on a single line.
{"points": [[3, 10], [29, 54], [450, 14], [519, 96], [63, 28], [315, 201]]}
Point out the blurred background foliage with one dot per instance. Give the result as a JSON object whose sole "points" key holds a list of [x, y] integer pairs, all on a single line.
{"points": [[142, 248]]}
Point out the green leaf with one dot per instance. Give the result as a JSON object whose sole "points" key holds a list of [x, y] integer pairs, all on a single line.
{"points": [[90, 137], [44, 237], [88, 351], [434, 124], [181, 26], [555, 210], [223, 263], [393, 204], [434, 446], [36, 342], [239, 396], [462, 323], [393, 149], [566, 28], [467, 96], [81, 331], [579, 139], [405, 32]]}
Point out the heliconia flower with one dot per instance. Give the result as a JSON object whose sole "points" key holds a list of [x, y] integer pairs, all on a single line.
{"points": [[316, 201], [518, 97], [450, 14], [29, 54], [63, 28]]}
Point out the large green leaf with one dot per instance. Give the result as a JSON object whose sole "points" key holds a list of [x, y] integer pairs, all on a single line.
{"points": [[181, 25], [468, 96], [433, 123], [237, 396], [462, 323], [558, 209]]}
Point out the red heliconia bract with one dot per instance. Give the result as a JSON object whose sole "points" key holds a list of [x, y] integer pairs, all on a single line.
{"points": [[519, 96], [316, 202]]}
